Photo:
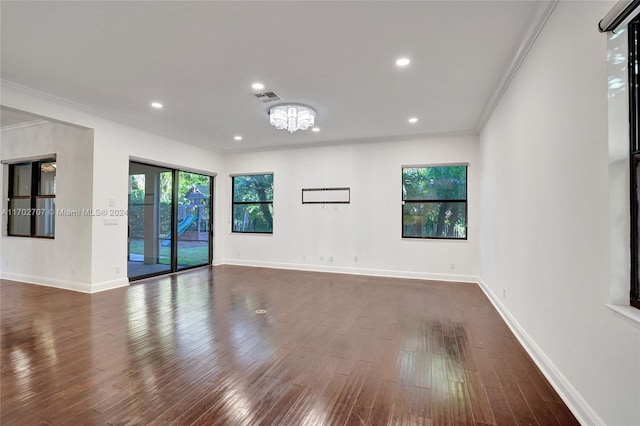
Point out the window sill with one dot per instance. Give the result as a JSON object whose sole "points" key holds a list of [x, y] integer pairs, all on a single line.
{"points": [[27, 237], [251, 233], [627, 311]]}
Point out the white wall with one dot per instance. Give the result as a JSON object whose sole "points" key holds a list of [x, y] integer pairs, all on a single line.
{"points": [[544, 202], [368, 228], [64, 261], [114, 144]]}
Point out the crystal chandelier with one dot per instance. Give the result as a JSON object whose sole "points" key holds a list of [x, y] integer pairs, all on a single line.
{"points": [[292, 117]]}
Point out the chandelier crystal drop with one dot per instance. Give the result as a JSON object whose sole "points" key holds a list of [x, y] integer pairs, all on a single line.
{"points": [[292, 117]]}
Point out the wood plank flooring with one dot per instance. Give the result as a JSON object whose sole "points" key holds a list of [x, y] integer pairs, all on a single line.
{"points": [[331, 350]]}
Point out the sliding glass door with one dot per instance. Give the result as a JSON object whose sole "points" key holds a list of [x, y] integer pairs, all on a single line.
{"points": [[194, 219], [150, 218], [169, 220]]}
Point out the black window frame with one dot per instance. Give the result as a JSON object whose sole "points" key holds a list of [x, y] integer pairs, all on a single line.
{"points": [[34, 212], [238, 203], [634, 157], [437, 201]]}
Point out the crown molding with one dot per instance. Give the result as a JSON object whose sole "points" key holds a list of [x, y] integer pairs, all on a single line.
{"points": [[536, 23], [53, 98], [95, 112], [356, 141], [36, 122]]}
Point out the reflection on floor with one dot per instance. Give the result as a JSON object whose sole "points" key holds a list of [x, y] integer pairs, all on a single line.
{"points": [[190, 348]]}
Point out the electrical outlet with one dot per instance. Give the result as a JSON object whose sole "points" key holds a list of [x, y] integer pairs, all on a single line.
{"points": [[304, 257], [453, 266], [321, 258], [504, 293], [331, 259], [355, 258], [117, 269]]}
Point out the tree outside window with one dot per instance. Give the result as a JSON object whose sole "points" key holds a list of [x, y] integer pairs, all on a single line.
{"points": [[434, 202], [253, 203]]}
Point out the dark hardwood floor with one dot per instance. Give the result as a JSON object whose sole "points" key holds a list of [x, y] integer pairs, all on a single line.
{"points": [[332, 349]]}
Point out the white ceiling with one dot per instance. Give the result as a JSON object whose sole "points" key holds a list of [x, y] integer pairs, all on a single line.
{"points": [[200, 58]]}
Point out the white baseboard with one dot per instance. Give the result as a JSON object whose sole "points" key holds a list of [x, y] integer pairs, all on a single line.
{"points": [[48, 282], [571, 397], [352, 271], [65, 285], [108, 285]]}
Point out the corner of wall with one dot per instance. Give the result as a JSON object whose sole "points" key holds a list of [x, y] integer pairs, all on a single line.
{"points": [[576, 403], [109, 285]]}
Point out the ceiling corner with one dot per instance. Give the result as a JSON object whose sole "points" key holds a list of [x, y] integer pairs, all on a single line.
{"points": [[529, 36]]}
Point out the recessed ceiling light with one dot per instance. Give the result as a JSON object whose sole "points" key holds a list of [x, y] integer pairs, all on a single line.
{"points": [[157, 105], [238, 138], [315, 129], [413, 120], [257, 86], [403, 62]]}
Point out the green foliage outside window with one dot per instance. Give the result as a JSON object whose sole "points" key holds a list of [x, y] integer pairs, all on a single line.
{"points": [[253, 203], [186, 183], [434, 202]]}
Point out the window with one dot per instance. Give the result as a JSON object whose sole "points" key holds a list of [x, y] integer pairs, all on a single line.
{"points": [[634, 155], [32, 199], [253, 203], [434, 202]]}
